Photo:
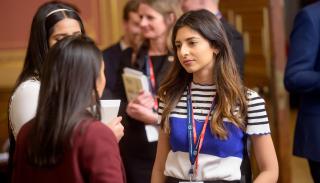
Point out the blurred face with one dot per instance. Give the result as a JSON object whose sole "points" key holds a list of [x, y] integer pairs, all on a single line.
{"points": [[195, 53], [132, 29], [188, 5], [63, 28], [152, 22], [101, 80]]}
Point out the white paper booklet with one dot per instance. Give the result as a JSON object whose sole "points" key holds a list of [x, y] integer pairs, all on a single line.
{"points": [[134, 82], [152, 132], [109, 110]]}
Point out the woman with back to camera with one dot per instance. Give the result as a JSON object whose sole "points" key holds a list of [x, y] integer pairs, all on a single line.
{"points": [[206, 111], [66, 141], [153, 58]]}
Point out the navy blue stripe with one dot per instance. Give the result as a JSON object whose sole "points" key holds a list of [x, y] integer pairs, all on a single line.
{"points": [[203, 89], [200, 95], [257, 117], [257, 104], [258, 123], [254, 98], [256, 111], [196, 101]]}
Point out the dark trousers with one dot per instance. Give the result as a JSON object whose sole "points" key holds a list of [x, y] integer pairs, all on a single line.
{"points": [[315, 170], [175, 180], [138, 170]]}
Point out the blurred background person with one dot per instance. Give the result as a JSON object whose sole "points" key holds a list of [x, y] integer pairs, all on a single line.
{"points": [[66, 141], [153, 59], [126, 47], [302, 78], [234, 37]]}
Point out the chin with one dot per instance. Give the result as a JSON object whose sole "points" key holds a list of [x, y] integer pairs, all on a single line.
{"points": [[189, 70]]}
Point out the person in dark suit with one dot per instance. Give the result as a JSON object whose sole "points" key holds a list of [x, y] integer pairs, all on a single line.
{"points": [[129, 43], [302, 76], [234, 37]]}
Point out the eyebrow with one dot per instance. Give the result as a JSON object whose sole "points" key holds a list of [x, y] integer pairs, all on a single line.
{"points": [[188, 39], [62, 34]]}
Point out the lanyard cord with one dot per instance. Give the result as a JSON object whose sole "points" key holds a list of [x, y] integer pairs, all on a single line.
{"points": [[152, 80], [195, 144]]}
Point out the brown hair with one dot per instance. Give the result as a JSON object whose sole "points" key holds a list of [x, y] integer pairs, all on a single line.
{"points": [[131, 6], [230, 91]]}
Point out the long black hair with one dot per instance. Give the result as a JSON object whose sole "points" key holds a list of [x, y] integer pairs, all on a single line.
{"points": [[68, 89], [41, 29]]}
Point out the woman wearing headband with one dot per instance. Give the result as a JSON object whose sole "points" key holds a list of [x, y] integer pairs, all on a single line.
{"points": [[51, 23]]}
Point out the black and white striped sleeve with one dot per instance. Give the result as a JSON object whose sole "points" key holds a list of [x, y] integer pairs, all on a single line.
{"points": [[258, 122], [160, 110]]}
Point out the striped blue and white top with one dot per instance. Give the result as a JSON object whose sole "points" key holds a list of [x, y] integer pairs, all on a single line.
{"points": [[218, 159]]}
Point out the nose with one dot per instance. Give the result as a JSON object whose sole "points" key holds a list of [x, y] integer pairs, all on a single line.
{"points": [[143, 22], [184, 50]]}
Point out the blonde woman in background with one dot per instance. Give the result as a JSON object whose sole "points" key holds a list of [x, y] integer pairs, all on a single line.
{"points": [[138, 146]]}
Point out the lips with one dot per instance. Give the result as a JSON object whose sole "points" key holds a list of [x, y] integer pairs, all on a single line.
{"points": [[187, 62]]}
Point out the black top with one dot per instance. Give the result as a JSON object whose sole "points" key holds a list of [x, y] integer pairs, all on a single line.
{"points": [[236, 42], [113, 56], [134, 142]]}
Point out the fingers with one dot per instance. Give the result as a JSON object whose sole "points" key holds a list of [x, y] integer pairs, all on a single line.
{"points": [[115, 121], [144, 98], [116, 127]]}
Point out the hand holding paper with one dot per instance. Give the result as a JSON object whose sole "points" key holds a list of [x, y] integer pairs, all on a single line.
{"points": [[116, 127], [145, 99]]}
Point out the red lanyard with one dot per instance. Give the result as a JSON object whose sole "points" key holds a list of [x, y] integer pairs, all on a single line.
{"points": [[195, 144], [152, 81]]}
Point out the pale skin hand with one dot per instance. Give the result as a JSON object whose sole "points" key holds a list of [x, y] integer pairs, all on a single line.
{"points": [[145, 99], [266, 158], [116, 127], [161, 157], [141, 108]]}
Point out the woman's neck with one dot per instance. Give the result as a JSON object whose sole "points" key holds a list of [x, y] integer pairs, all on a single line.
{"points": [[158, 47], [204, 76]]}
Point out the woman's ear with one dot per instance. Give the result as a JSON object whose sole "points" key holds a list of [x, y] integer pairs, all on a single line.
{"points": [[170, 19], [215, 51]]}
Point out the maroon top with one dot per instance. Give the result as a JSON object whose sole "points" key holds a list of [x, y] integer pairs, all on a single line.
{"points": [[94, 157]]}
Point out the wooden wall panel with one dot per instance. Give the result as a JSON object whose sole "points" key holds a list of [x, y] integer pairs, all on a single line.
{"points": [[249, 18], [261, 24]]}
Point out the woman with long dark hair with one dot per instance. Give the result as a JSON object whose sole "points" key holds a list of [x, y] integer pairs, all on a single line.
{"points": [[52, 22], [206, 112], [66, 141]]}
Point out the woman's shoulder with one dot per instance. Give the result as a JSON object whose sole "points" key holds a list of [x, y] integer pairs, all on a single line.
{"points": [[253, 95], [30, 85]]}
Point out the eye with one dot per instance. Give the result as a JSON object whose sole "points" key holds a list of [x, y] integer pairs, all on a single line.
{"points": [[192, 43], [178, 45], [150, 17], [58, 38], [77, 33]]}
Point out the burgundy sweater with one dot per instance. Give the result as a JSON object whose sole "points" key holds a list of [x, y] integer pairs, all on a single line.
{"points": [[94, 157]]}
